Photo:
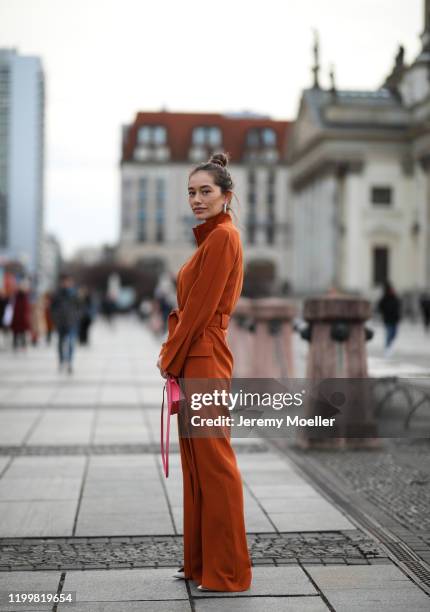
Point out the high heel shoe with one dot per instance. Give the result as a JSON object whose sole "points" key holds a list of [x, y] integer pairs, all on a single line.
{"points": [[179, 574]]}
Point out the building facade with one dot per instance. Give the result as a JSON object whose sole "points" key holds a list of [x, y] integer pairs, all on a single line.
{"points": [[338, 198], [160, 149], [22, 111], [359, 179]]}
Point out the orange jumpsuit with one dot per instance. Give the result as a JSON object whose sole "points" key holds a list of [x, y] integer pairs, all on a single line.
{"points": [[208, 287]]}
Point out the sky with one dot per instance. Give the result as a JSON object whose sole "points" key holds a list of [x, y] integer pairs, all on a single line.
{"points": [[105, 60]]}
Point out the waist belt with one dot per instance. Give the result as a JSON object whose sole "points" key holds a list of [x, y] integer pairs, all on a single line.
{"points": [[218, 320]]}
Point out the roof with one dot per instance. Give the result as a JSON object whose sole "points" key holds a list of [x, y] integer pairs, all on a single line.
{"points": [[319, 99], [179, 128]]}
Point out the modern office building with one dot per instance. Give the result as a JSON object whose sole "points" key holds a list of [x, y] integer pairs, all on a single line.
{"points": [[22, 105]]}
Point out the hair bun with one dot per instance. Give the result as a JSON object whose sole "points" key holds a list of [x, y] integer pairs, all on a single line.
{"points": [[220, 159]]}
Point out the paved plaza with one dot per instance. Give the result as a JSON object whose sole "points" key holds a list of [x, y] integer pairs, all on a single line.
{"points": [[85, 507]]}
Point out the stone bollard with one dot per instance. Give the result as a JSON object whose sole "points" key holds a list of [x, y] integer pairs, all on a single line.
{"points": [[241, 338], [261, 338], [337, 349], [273, 348]]}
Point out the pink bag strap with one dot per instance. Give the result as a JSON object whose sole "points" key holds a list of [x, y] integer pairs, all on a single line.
{"points": [[174, 397], [165, 453]]}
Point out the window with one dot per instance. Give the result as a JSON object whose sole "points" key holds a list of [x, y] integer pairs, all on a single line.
{"points": [[261, 138], [159, 135], [252, 207], [252, 138], [199, 136], [214, 136], [381, 196], [160, 199], [270, 200], [144, 135], [152, 135], [380, 265], [207, 136], [141, 209], [269, 137]]}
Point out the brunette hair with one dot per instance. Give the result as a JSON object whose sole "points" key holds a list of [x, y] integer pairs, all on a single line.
{"points": [[217, 167]]}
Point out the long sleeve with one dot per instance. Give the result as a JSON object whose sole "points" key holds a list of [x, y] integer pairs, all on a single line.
{"points": [[218, 259]]}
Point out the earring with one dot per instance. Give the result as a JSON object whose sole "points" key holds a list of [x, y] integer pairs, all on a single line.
{"points": [[225, 206]]}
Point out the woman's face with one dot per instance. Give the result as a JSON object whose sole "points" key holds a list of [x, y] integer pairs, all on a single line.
{"points": [[206, 199]]}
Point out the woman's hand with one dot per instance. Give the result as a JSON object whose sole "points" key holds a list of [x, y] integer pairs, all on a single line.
{"points": [[162, 372]]}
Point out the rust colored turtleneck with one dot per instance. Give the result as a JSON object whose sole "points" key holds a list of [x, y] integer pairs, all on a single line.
{"points": [[209, 282]]}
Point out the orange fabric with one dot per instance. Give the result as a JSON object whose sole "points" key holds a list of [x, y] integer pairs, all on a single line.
{"points": [[215, 545]]}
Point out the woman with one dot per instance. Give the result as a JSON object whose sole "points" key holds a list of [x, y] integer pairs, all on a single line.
{"points": [[20, 324], [208, 286]]}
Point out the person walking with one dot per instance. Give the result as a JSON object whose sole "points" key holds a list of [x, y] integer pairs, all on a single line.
{"points": [[425, 310], [390, 308], [47, 315], [209, 284], [20, 324], [87, 315], [65, 314], [164, 295]]}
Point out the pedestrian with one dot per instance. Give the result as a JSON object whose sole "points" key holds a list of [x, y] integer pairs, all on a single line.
{"points": [[109, 307], [425, 310], [209, 284], [87, 315], [37, 320], [5, 317], [390, 308], [164, 293], [65, 314], [20, 324], [47, 314]]}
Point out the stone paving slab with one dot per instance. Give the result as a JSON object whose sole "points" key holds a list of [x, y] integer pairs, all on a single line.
{"points": [[362, 588], [130, 606], [125, 585], [3, 462], [39, 488], [274, 581], [14, 425], [62, 466], [308, 521], [268, 604], [73, 426], [123, 522], [37, 518], [29, 582]]}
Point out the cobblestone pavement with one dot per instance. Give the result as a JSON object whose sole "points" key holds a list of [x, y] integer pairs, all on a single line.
{"points": [[396, 479], [322, 548], [390, 484]]}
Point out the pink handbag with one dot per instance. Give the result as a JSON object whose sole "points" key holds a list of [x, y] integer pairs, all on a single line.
{"points": [[174, 396]]}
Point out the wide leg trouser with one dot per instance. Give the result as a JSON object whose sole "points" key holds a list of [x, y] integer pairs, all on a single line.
{"points": [[215, 546]]}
